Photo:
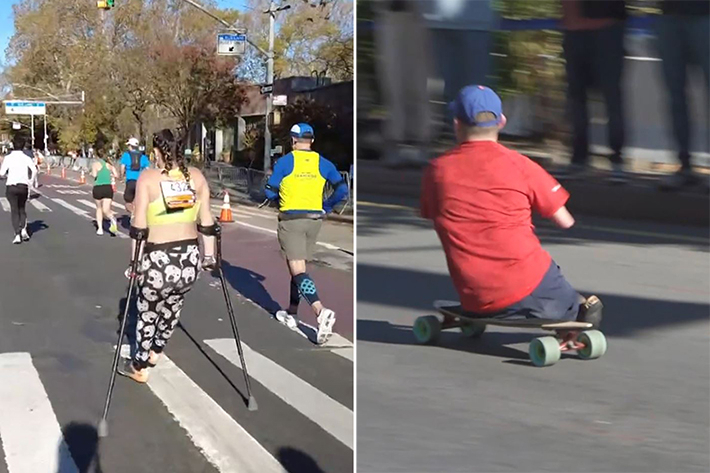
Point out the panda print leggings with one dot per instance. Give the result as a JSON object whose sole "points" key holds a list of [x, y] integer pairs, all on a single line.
{"points": [[167, 272]]}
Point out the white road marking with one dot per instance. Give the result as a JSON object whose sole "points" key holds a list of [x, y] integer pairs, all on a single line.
{"points": [[325, 411], [39, 206], [221, 439], [71, 192], [5, 204], [31, 437], [67, 205], [93, 204], [83, 213]]}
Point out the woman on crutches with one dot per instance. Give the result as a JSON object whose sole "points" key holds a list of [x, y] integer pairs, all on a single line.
{"points": [[171, 202]]}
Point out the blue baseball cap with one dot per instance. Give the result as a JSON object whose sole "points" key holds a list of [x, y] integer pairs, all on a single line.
{"points": [[302, 130], [475, 99]]}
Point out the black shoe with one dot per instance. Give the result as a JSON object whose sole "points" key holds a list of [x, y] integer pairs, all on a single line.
{"points": [[590, 311]]}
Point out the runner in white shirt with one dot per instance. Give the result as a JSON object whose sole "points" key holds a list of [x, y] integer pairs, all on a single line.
{"points": [[21, 172]]}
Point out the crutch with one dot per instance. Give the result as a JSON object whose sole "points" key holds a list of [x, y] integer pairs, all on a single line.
{"points": [[103, 423], [252, 401]]}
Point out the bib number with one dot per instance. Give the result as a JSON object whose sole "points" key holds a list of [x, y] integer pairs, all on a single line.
{"points": [[177, 195]]}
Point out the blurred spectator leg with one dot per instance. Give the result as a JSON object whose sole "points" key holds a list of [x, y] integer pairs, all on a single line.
{"points": [[674, 50], [576, 45], [451, 45], [400, 66], [608, 66]]}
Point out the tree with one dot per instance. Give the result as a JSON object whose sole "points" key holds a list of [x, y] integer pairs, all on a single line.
{"points": [[193, 84], [310, 36]]}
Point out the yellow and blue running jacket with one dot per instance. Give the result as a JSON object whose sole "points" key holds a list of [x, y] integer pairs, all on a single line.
{"points": [[298, 181]]}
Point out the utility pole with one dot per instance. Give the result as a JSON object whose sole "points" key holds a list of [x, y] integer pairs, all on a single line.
{"points": [[273, 9], [270, 95]]}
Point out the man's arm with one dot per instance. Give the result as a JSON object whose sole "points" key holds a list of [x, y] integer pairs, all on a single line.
{"points": [[5, 166], [33, 169], [547, 196], [281, 169], [331, 174]]}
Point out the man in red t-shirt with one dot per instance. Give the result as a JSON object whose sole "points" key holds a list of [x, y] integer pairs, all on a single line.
{"points": [[481, 196]]}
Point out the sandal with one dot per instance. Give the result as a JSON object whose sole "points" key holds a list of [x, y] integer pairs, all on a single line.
{"points": [[129, 371]]}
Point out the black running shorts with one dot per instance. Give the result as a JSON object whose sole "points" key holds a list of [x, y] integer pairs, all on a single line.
{"points": [[130, 193], [103, 192]]}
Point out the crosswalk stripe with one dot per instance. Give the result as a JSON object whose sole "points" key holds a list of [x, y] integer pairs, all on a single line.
{"points": [[31, 437], [67, 205], [220, 438], [93, 205], [81, 212], [72, 192], [39, 206], [5, 204], [329, 414]]}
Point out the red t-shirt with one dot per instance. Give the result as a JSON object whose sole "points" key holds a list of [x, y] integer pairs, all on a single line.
{"points": [[481, 196]]}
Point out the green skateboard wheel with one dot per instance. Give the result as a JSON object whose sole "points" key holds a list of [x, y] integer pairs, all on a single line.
{"points": [[472, 330], [545, 351], [427, 329], [594, 344]]}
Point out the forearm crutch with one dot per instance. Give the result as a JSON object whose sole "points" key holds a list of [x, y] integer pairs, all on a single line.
{"points": [[103, 423], [251, 405]]}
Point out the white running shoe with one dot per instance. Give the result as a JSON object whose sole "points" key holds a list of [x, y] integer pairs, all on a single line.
{"points": [[17, 240], [24, 235], [287, 319], [100, 231], [326, 320]]}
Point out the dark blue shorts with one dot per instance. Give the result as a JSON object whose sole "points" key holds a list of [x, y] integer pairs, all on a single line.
{"points": [[554, 298]]}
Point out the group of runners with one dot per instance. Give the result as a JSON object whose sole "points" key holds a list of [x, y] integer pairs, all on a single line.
{"points": [[169, 207]]}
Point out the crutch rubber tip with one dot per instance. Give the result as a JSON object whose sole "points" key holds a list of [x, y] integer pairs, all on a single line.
{"points": [[103, 428], [251, 405]]}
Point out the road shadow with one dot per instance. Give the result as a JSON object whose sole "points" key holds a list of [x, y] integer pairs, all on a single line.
{"points": [[124, 221], [587, 230], [130, 333], [36, 226], [624, 316], [83, 442], [249, 284], [491, 343], [212, 362], [296, 461]]}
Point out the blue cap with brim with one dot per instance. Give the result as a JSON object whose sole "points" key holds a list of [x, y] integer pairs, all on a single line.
{"points": [[302, 130], [475, 99]]}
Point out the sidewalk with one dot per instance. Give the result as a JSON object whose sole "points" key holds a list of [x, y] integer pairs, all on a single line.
{"points": [[240, 192], [639, 199]]}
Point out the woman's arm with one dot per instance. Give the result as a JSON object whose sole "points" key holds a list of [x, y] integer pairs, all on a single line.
{"points": [[205, 217]]}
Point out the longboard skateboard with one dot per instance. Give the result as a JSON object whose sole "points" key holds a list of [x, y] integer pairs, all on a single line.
{"points": [[544, 351]]}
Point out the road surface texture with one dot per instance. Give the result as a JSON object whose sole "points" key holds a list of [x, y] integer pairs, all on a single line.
{"points": [[479, 405], [60, 295]]}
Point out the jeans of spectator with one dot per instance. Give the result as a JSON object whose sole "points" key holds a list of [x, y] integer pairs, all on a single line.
{"points": [[403, 69], [683, 41], [463, 57], [595, 58]]}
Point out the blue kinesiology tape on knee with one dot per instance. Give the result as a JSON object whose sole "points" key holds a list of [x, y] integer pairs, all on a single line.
{"points": [[307, 288]]}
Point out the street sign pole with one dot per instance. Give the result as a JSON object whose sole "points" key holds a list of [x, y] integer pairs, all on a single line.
{"points": [[45, 135]]}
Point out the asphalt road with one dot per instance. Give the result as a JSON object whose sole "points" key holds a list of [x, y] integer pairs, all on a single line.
{"points": [[479, 405], [60, 295]]}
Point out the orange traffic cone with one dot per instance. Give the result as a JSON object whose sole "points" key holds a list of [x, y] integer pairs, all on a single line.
{"points": [[226, 213], [64, 172], [113, 183], [82, 179]]}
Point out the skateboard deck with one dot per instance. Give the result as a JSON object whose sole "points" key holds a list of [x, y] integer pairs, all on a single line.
{"points": [[453, 309]]}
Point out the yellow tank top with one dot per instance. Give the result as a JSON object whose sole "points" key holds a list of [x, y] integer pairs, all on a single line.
{"points": [[159, 214], [303, 188]]}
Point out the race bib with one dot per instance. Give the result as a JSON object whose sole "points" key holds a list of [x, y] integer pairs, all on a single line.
{"points": [[177, 195]]}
